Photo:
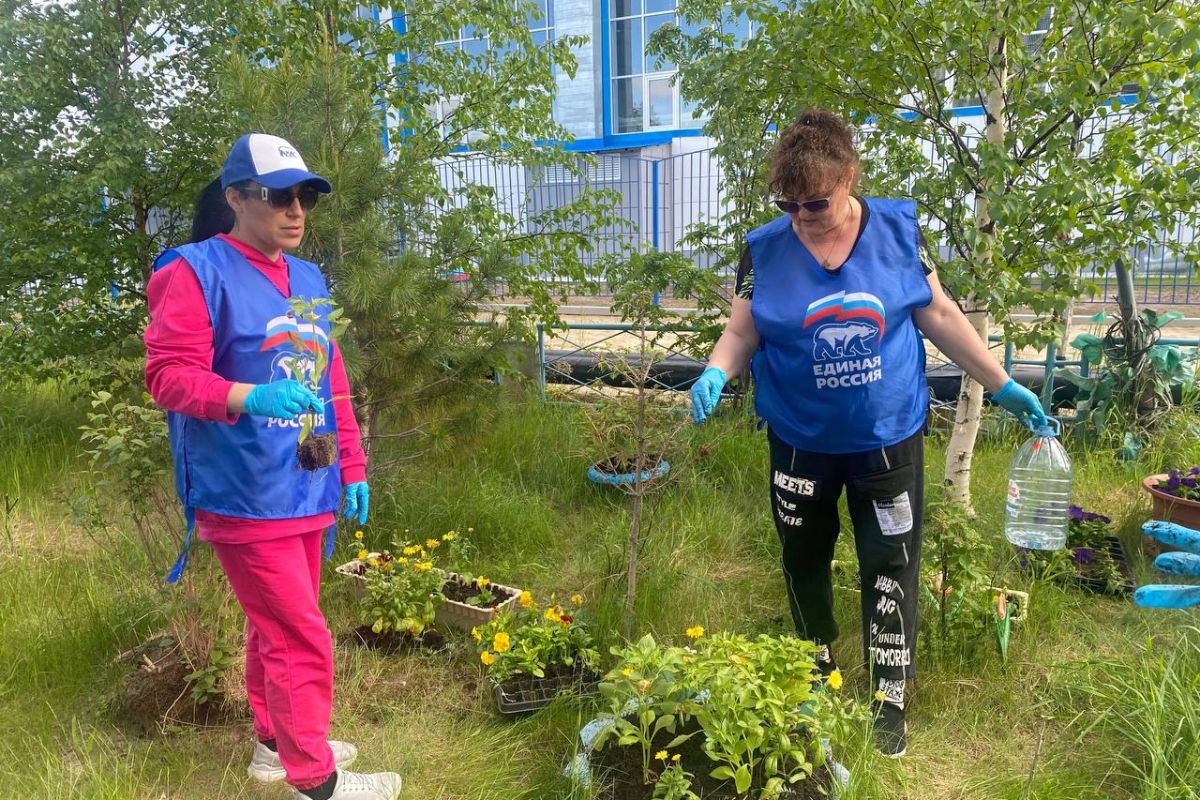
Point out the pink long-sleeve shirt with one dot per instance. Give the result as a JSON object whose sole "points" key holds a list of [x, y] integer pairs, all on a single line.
{"points": [[179, 375]]}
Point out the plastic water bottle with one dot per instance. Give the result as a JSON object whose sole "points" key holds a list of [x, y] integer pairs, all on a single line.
{"points": [[1039, 492]]}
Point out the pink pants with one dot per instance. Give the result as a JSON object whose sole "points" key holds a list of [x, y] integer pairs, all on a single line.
{"points": [[289, 653]]}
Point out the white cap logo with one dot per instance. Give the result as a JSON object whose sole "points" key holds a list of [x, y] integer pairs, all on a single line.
{"points": [[271, 154]]}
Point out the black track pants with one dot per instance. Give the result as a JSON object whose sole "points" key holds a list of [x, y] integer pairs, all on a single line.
{"points": [[885, 494]]}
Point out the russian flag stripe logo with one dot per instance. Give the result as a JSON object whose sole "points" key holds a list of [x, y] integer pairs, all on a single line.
{"points": [[280, 330], [843, 306]]}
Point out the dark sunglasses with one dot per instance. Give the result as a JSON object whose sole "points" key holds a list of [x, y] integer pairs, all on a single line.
{"points": [[811, 206], [281, 199]]}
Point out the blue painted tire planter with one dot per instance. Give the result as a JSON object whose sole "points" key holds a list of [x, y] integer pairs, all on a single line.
{"points": [[596, 475], [579, 769]]}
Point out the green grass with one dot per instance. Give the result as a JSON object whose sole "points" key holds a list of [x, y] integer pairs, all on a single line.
{"points": [[1080, 678]]}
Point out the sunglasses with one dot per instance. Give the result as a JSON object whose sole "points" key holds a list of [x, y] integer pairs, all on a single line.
{"points": [[811, 206], [282, 199]]}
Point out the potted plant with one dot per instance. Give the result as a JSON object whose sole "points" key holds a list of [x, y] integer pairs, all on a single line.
{"points": [[1094, 557], [465, 602], [1175, 496], [725, 717], [533, 655], [398, 602]]}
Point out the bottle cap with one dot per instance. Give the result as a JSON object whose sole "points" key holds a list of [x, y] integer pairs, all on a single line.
{"points": [[1052, 428]]}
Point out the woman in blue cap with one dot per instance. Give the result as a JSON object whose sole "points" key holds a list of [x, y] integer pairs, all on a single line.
{"points": [[221, 358], [829, 299]]}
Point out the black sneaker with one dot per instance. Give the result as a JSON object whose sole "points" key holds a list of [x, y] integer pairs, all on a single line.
{"points": [[825, 662], [891, 732]]}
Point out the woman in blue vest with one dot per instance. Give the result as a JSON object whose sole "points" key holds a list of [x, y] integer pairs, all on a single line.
{"points": [[234, 367], [829, 301]]}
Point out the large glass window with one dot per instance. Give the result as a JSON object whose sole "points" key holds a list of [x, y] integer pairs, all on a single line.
{"points": [[643, 96]]}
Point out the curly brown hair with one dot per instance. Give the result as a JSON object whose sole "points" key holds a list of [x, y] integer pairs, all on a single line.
{"points": [[813, 155]]}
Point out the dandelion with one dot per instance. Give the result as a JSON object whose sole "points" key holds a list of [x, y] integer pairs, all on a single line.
{"points": [[450, 537], [362, 555], [835, 680], [627, 672], [661, 755], [358, 535], [476, 635], [487, 658], [501, 643], [423, 566], [374, 562], [432, 543], [482, 582], [554, 613], [525, 600], [695, 632], [411, 550], [879, 695], [675, 758], [389, 566], [577, 599], [402, 560]]}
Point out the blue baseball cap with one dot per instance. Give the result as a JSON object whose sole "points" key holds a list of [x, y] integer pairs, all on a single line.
{"points": [[268, 161]]}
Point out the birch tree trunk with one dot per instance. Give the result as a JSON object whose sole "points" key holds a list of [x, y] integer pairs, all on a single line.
{"points": [[970, 395]]}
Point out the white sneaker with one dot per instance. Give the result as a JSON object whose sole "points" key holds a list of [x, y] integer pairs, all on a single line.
{"points": [[358, 786], [266, 767]]}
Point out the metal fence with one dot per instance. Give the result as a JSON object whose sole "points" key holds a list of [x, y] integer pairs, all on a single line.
{"points": [[662, 199]]}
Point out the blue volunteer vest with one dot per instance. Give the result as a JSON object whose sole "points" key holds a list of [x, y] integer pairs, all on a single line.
{"points": [[249, 469], [840, 367]]}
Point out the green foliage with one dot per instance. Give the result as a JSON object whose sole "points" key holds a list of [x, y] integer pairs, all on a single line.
{"points": [[755, 701], [955, 601], [1080, 168], [128, 452], [528, 641], [403, 588], [1132, 375], [109, 130], [402, 221]]}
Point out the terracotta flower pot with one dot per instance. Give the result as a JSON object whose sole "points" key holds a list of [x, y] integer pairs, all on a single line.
{"points": [[1169, 508]]}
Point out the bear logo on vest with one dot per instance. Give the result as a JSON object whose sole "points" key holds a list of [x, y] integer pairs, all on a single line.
{"points": [[842, 340]]}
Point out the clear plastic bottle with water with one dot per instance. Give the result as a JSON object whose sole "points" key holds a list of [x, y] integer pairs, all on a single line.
{"points": [[1039, 492]]}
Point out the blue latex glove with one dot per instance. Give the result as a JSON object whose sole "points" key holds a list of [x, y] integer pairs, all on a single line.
{"points": [[706, 392], [358, 500], [1021, 403], [1185, 564], [282, 400]]}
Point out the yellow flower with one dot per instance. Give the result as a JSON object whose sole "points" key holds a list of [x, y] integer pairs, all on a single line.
{"points": [[358, 535], [577, 599], [412, 550], [525, 600], [450, 537], [423, 566], [554, 614], [374, 562], [432, 543], [402, 560], [695, 632], [501, 643], [628, 671], [482, 582], [476, 635], [389, 566], [362, 555], [879, 695], [835, 680], [675, 758], [661, 755], [487, 658]]}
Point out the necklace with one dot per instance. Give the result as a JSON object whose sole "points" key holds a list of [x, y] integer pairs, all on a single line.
{"points": [[837, 232]]}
